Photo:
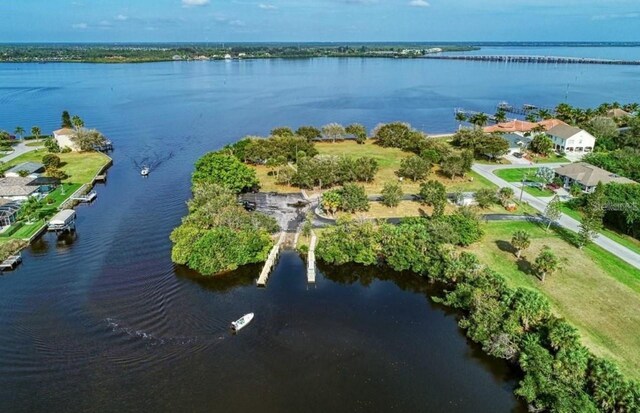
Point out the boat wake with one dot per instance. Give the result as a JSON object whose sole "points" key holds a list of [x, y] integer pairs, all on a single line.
{"points": [[152, 161], [119, 328]]}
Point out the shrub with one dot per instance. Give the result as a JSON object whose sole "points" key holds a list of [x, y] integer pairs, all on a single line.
{"points": [[414, 168], [51, 161], [391, 194]]}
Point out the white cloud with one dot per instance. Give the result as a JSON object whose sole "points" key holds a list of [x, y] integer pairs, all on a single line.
{"points": [[121, 17], [105, 23], [419, 3], [194, 3], [616, 16], [238, 23], [264, 6], [80, 26]]}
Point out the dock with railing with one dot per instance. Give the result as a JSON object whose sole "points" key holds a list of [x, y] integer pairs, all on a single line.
{"points": [[271, 260]]}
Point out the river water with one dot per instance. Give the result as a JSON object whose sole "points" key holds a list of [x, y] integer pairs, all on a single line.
{"points": [[103, 321]]}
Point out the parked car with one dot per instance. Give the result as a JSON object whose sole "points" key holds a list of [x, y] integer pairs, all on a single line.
{"points": [[518, 154]]}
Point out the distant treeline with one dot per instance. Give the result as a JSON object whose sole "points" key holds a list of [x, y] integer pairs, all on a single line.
{"points": [[104, 53]]}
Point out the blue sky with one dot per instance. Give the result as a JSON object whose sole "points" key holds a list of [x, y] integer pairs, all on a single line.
{"points": [[318, 20]]}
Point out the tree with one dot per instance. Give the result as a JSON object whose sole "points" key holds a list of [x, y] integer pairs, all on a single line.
{"points": [[310, 133], [331, 201], [553, 211], [500, 116], [19, 132], [88, 139], [77, 122], [365, 168], [358, 131], [391, 194], [354, 198], [593, 215], [493, 146], [333, 132], [51, 161], [66, 120], [479, 119], [30, 208], [603, 127], [35, 132], [546, 175], [282, 131], [434, 193], [546, 262], [485, 197], [55, 173], [414, 168], [51, 145], [575, 189], [226, 171], [460, 118], [505, 194], [541, 144], [521, 240]]}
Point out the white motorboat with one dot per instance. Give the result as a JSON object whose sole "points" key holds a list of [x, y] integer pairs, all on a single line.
{"points": [[241, 322], [145, 171]]}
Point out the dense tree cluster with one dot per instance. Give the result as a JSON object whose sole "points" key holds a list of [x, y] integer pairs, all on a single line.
{"points": [[624, 162], [226, 171], [516, 324], [350, 198], [489, 145], [218, 234], [399, 135], [326, 171], [258, 150]]}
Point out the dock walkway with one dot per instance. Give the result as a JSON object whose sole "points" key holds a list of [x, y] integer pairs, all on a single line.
{"points": [[311, 259], [11, 262], [271, 260]]}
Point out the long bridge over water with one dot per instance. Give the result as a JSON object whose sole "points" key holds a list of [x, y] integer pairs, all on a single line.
{"points": [[534, 59]]}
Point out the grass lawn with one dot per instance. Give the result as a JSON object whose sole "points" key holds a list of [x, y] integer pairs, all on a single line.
{"points": [[595, 291], [388, 161], [516, 174], [551, 159], [80, 167], [622, 239], [535, 191], [35, 144]]}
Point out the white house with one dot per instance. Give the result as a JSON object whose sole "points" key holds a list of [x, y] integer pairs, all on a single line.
{"points": [[571, 140], [587, 176], [64, 138]]}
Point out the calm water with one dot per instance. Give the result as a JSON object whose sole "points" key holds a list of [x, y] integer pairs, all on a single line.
{"points": [[104, 321]]}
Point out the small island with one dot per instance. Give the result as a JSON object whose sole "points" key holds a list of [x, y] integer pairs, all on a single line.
{"points": [[396, 197]]}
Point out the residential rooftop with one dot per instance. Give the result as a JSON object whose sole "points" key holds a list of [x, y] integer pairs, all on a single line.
{"points": [[590, 175]]}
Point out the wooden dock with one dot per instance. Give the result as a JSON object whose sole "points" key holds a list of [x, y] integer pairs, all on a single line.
{"points": [[534, 59], [271, 260], [311, 259], [11, 262]]}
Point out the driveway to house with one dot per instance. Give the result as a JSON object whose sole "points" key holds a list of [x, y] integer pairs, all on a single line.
{"points": [[487, 171], [18, 150]]}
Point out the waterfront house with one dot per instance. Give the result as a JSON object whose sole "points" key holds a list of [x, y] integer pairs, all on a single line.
{"points": [[64, 137], [27, 169], [617, 113], [587, 176], [8, 212], [19, 188], [522, 127], [571, 140]]}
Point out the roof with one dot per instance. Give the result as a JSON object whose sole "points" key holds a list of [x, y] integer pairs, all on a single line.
{"points": [[522, 126], [564, 131], [63, 217], [617, 113], [17, 186], [590, 175], [30, 167], [64, 131]]}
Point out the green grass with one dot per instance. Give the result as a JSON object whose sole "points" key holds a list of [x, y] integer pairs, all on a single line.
{"points": [[551, 159], [535, 191], [35, 144], [388, 161], [622, 239], [517, 174], [27, 230], [595, 291], [80, 167]]}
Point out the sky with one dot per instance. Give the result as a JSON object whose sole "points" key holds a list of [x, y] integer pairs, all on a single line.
{"points": [[318, 20]]}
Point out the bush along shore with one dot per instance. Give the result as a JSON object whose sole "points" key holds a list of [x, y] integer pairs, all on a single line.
{"points": [[516, 324]]}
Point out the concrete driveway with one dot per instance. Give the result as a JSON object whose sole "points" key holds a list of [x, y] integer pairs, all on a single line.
{"points": [[20, 149], [487, 171]]}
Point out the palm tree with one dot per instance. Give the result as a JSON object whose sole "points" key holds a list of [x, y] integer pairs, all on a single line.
{"points": [[460, 117], [500, 116], [77, 122], [36, 132], [544, 114], [19, 131], [479, 119], [546, 262], [531, 117], [521, 240], [631, 107]]}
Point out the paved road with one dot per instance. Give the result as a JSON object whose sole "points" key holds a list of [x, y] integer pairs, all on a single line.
{"points": [[565, 221], [19, 149]]}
